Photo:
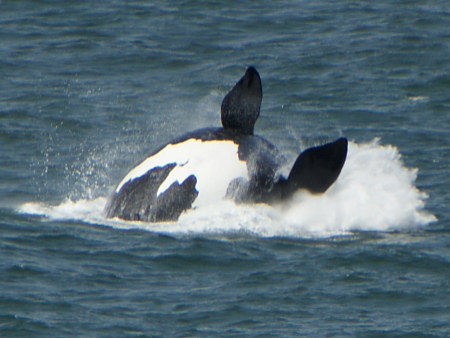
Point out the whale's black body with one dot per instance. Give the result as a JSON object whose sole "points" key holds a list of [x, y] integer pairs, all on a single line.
{"points": [[238, 164]]}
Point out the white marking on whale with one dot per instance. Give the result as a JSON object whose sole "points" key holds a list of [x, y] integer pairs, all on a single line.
{"points": [[214, 164]]}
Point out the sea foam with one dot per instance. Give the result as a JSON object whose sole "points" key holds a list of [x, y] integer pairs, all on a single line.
{"points": [[375, 192]]}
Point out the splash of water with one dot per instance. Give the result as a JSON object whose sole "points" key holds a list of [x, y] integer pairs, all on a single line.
{"points": [[375, 192]]}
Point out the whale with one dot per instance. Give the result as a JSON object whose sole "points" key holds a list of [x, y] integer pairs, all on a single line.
{"points": [[205, 166]]}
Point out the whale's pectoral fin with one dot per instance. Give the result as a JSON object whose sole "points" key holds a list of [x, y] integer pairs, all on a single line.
{"points": [[317, 168], [240, 107]]}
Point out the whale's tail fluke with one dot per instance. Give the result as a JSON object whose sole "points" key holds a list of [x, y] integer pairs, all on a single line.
{"points": [[315, 170]]}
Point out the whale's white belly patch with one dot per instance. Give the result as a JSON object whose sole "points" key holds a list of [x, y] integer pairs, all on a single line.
{"points": [[214, 164]]}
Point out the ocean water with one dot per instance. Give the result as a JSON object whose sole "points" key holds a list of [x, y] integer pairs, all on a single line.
{"points": [[88, 89]]}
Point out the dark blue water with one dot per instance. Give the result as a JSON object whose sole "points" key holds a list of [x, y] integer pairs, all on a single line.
{"points": [[88, 89]]}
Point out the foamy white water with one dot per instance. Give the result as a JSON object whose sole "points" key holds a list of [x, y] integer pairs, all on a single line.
{"points": [[375, 192]]}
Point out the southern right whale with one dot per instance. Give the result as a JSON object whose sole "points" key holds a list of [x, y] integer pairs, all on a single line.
{"points": [[210, 164]]}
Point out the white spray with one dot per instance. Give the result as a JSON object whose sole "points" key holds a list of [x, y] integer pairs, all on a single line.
{"points": [[375, 192]]}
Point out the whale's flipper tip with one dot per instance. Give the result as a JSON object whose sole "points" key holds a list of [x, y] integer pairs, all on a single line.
{"points": [[240, 107], [317, 168]]}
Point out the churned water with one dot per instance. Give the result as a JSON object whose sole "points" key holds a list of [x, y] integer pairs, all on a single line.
{"points": [[88, 89]]}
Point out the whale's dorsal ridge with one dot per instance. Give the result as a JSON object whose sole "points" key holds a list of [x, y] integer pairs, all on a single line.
{"points": [[240, 107]]}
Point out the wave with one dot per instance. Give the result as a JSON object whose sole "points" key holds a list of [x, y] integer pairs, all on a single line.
{"points": [[375, 192]]}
